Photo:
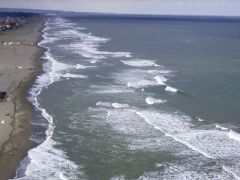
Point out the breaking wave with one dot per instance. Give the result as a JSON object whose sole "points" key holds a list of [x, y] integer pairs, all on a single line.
{"points": [[45, 160], [139, 63]]}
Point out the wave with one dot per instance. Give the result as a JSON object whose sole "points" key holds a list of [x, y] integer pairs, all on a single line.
{"points": [[185, 172], [104, 104], [112, 105], [234, 135], [94, 61], [221, 128], [141, 83], [119, 106], [161, 80], [151, 101], [171, 89], [79, 66], [89, 49], [88, 45], [110, 89], [69, 75], [213, 144], [139, 63], [140, 78], [45, 160], [162, 71]]}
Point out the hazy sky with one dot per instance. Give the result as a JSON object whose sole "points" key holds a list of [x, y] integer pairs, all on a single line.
{"points": [[168, 7]]}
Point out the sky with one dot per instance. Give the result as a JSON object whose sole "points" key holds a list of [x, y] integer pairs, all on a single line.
{"points": [[155, 7]]}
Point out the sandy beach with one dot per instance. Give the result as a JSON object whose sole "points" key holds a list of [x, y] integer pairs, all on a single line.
{"points": [[20, 62]]}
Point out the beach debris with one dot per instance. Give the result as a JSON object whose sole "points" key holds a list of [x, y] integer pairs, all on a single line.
{"points": [[2, 122], [19, 67], [5, 43], [9, 23]]}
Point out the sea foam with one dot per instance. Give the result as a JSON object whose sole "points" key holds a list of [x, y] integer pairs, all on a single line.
{"points": [[171, 89], [119, 106], [213, 144], [151, 101], [45, 160], [139, 63], [234, 135], [88, 45], [112, 105]]}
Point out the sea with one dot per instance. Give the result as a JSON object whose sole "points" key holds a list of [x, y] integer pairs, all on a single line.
{"points": [[136, 98]]}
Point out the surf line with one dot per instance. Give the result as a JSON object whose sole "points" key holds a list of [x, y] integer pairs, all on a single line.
{"points": [[231, 172], [188, 145], [175, 138]]}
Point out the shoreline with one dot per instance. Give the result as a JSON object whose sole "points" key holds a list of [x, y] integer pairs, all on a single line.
{"points": [[16, 147]]}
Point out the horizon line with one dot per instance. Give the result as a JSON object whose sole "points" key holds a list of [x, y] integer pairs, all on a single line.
{"points": [[101, 14]]}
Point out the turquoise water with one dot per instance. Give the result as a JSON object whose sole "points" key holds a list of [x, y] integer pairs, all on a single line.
{"points": [[137, 99]]}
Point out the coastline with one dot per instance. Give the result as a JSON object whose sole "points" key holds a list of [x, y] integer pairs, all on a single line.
{"points": [[17, 77]]}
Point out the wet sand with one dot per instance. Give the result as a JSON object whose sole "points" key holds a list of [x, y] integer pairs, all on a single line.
{"points": [[20, 62]]}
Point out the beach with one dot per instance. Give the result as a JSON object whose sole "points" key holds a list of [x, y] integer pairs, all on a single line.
{"points": [[120, 98], [19, 64]]}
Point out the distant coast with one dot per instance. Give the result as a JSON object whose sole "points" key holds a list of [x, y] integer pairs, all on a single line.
{"points": [[20, 63]]}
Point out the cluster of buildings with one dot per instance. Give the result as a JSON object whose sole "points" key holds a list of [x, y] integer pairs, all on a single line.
{"points": [[9, 23]]}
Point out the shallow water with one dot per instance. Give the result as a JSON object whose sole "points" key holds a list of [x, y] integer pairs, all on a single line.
{"points": [[137, 99]]}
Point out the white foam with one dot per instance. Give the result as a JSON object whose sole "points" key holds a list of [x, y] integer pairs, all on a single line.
{"points": [[200, 119], [171, 89], [169, 124], [234, 135], [151, 101], [89, 49], [118, 178], [139, 63], [110, 89], [48, 38], [46, 161], [84, 37], [229, 170], [119, 106], [94, 61], [112, 105], [104, 104], [57, 69], [221, 128], [139, 78], [161, 80], [211, 143], [155, 72], [141, 83], [185, 171], [79, 66], [69, 75], [88, 45]]}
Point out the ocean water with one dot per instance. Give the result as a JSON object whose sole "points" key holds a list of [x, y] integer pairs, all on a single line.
{"points": [[136, 98]]}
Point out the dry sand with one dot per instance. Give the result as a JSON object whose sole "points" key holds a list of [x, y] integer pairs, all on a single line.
{"points": [[20, 62]]}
